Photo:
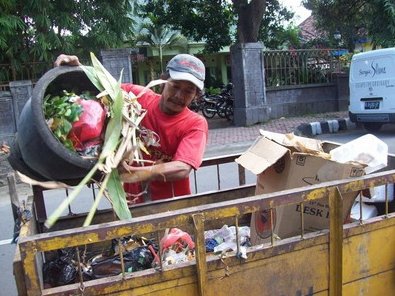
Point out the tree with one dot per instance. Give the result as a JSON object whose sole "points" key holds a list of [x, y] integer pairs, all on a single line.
{"points": [[9, 24], [376, 18], [272, 32], [160, 37], [219, 23], [38, 30], [250, 14]]}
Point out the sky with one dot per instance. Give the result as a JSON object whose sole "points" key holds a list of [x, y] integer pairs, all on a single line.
{"points": [[296, 6]]}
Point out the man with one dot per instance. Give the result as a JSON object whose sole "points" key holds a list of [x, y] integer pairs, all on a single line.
{"points": [[182, 132]]}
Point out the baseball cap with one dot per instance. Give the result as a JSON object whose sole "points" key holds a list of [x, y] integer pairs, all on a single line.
{"points": [[187, 67]]}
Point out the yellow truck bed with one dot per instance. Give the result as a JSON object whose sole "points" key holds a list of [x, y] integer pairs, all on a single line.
{"points": [[350, 259]]}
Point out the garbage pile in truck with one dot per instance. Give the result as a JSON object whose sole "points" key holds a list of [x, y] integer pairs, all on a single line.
{"points": [[281, 162], [131, 254]]}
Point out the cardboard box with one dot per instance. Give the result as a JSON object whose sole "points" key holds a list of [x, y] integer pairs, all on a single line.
{"points": [[286, 161]]}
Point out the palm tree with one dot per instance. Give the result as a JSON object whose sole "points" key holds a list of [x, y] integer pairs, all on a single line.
{"points": [[159, 37]]}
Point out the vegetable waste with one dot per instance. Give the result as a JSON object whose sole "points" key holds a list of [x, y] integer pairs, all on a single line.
{"points": [[123, 139]]}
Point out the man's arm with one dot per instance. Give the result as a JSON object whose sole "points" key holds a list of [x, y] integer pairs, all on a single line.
{"points": [[168, 171]]}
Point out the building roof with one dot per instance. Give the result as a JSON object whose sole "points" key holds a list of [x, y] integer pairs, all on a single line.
{"points": [[308, 30]]}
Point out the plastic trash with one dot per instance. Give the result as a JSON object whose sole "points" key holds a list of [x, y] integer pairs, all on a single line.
{"points": [[177, 239], [60, 270], [368, 211], [227, 233], [224, 239], [367, 149], [139, 258], [377, 194], [211, 243], [171, 257], [87, 130]]}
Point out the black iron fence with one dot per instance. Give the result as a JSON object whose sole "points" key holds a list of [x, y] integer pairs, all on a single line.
{"points": [[300, 67], [28, 71], [282, 67]]}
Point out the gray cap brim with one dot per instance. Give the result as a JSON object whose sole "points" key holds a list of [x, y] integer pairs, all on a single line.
{"points": [[175, 75]]}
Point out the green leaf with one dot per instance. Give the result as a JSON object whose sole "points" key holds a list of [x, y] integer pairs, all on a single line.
{"points": [[106, 79], [63, 206], [65, 127], [91, 73], [114, 126], [92, 211], [118, 196]]}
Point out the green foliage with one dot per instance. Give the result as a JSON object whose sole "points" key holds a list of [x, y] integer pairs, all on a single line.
{"points": [[160, 37], [212, 90], [283, 38], [217, 22], [39, 30], [356, 19], [200, 19], [60, 112], [272, 32], [382, 25], [8, 24]]}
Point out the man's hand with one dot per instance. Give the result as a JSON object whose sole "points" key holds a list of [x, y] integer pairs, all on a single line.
{"points": [[165, 172], [70, 60], [132, 174]]}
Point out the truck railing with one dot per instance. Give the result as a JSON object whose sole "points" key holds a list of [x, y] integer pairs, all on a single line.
{"points": [[196, 220], [215, 164]]}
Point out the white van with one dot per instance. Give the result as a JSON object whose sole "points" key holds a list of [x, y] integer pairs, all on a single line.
{"points": [[372, 88]]}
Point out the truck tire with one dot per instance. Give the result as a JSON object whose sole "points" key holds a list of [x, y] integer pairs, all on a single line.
{"points": [[372, 126]]}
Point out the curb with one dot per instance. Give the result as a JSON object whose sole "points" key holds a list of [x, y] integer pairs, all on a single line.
{"points": [[324, 127]]}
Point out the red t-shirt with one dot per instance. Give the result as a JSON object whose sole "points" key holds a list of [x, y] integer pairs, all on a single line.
{"points": [[182, 137]]}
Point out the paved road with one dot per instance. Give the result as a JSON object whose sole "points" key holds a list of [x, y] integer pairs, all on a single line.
{"points": [[386, 134]]}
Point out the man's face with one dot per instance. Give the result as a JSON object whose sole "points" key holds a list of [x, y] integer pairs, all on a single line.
{"points": [[177, 95]]}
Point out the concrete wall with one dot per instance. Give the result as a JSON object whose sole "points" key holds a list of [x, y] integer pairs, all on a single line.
{"points": [[7, 118], [116, 61], [308, 99], [11, 105]]}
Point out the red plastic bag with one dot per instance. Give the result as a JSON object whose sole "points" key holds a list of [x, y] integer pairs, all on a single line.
{"points": [[86, 131], [177, 239]]}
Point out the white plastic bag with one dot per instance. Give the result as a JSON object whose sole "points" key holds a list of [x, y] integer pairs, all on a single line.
{"points": [[367, 149], [377, 194], [368, 211]]}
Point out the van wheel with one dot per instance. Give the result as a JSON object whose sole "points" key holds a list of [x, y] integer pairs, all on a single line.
{"points": [[372, 126]]}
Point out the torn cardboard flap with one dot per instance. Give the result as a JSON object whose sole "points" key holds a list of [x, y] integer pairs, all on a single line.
{"points": [[261, 155], [270, 147], [280, 163], [300, 144]]}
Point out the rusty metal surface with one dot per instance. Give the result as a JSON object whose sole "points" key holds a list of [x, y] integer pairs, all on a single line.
{"points": [[201, 265], [335, 243], [288, 258]]}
